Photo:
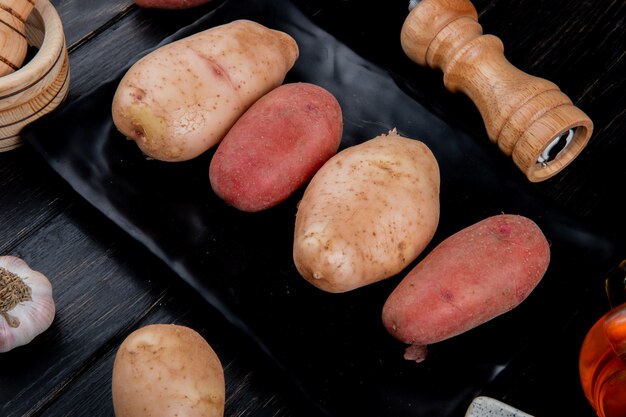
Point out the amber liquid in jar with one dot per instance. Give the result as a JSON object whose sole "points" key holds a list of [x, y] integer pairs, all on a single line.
{"points": [[602, 364]]}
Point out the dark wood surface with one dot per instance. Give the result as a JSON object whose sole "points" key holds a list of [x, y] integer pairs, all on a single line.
{"points": [[107, 285]]}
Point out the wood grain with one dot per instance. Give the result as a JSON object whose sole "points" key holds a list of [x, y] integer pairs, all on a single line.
{"points": [[41, 84], [13, 42], [89, 311], [524, 115], [106, 284], [577, 45]]}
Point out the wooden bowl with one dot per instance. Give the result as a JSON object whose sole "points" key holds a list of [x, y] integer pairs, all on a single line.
{"points": [[42, 83], [13, 43]]}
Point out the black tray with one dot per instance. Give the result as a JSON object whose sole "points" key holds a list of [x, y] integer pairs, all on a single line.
{"points": [[334, 345]]}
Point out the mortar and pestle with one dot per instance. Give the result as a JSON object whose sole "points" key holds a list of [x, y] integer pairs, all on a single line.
{"points": [[529, 118], [29, 90]]}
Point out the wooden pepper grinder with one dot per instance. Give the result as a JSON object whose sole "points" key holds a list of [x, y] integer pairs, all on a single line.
{"points": [[13, 42], [529, 118]]}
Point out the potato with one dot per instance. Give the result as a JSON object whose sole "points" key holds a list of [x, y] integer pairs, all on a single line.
{"points": [[170, 4], [468, 279], [181, 99], [276, 146], [164, 370], [367, 213]]}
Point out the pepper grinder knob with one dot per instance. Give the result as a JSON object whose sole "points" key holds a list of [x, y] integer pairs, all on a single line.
{"points": [[13, 42], [529, 118]]}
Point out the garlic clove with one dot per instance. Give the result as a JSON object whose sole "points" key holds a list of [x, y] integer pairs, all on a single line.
{"points": [[27, 307]]}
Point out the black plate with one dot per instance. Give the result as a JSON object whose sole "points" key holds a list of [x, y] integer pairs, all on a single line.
{"points": [[334, 345]]}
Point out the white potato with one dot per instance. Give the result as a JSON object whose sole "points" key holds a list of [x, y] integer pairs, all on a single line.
{"points": [[164, 370], [181, 99], [367, 213]]}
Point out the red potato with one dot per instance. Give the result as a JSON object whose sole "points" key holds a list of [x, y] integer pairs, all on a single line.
{"points": [[471, 277], [276, 146], [170, 4]]}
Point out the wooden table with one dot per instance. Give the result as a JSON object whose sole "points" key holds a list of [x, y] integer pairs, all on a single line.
{"points": [[106, 284]]}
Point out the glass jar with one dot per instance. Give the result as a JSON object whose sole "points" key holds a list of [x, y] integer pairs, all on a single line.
{"points": [[602, 362]]}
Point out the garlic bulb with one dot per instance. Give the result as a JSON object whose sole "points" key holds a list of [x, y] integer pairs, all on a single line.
{"points": [[26, 304]]}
